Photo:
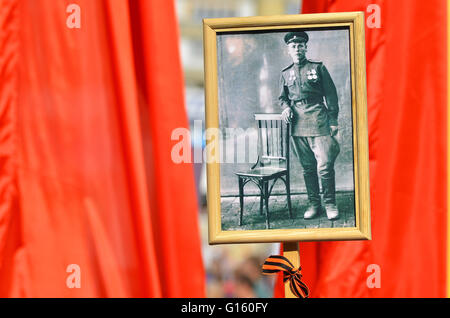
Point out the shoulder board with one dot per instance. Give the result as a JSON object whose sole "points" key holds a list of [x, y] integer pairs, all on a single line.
{"points": [[286, 68], [315, 62]]}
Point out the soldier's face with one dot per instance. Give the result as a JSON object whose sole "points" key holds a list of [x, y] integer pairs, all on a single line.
{"points": [[297, 50]]}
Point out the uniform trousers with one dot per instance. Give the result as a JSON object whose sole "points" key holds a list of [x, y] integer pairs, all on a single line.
{"points": [[317, 156]]}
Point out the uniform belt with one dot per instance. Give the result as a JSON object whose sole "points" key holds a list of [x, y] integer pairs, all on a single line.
{"points": [[309, 100]]}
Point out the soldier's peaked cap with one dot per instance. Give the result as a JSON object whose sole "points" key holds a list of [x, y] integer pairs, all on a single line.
{"points": [[297, 36]]}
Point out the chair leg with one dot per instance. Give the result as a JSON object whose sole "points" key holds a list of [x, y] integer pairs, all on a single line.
{"points": [[288, 191], [266, 198], [261, 202], [241, 199]]}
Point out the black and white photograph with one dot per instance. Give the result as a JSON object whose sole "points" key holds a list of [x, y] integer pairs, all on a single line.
{"points": [[286, 108], [285, 98]]}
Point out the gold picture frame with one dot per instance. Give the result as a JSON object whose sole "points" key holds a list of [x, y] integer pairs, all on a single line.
{"points": [[354, 21]]}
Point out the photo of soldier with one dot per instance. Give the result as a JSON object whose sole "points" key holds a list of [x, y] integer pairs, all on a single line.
{"points": [[304, 86]]}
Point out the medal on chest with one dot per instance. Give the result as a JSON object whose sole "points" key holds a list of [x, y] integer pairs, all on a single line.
{"points": [[312, 75], [292, 76]]}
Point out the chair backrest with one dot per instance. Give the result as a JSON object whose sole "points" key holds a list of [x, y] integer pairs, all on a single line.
{"points": [[273, 140]]}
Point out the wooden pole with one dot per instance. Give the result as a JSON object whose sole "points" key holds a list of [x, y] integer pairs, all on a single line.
{"points": [[292, 253]]}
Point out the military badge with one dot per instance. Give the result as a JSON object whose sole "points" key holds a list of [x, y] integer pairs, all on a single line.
{"points": [[291, 76], [312, 75]]}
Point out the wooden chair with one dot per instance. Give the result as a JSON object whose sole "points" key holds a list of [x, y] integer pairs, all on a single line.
{"points": [[272, 163]]}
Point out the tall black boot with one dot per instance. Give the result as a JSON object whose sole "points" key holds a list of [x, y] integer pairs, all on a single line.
{"points": [[329, 189], [329, 197], [312, 188]]}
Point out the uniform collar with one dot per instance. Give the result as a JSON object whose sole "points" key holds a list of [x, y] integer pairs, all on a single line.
{"points": [[301, 62]]}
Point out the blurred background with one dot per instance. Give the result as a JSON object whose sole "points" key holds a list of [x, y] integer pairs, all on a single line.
{"points": [[92, 203]]}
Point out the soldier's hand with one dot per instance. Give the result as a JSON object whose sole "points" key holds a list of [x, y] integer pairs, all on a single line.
{"points": [[286, 115], [334, 130]]}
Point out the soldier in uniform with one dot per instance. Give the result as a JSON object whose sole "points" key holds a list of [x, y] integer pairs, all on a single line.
{"points": [[309, 99]]}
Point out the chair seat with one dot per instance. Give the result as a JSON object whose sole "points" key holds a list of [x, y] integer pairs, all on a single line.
{"points": [[261, 172]]}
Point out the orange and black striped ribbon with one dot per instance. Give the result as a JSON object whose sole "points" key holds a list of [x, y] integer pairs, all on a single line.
{"points": [[277, 263]]}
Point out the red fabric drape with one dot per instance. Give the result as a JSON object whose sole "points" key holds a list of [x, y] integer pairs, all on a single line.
{"points": [[407, 111], [86, 176]]}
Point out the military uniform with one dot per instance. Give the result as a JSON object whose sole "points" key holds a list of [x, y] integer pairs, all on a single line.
{"points": [[305, 87]]}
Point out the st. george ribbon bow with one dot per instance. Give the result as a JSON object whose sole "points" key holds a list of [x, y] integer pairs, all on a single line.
{"points": [[277, 263]]}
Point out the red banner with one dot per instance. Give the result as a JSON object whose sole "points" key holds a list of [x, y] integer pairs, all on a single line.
{"points": [[406, 53], [90, 203]]}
